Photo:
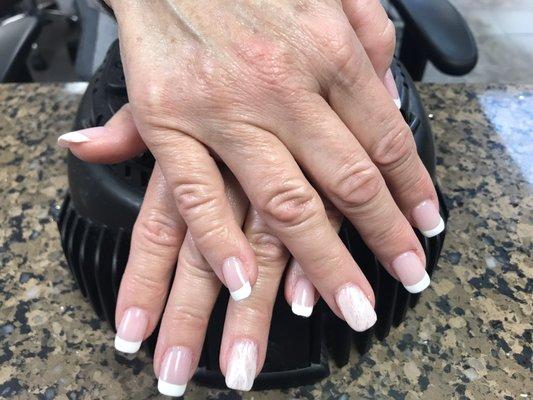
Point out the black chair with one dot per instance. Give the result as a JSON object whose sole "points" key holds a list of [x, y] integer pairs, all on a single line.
{"points": [[435, 31], [21, 24], [17, 34]]}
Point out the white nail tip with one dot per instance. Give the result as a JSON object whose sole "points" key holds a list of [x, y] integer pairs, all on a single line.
{"points": [[73, 137], [242, 366], [356, 309], [126, 346], [242, 293], [302, 311], [398, 103], [418, 287], [435, 231], [169, 389]]}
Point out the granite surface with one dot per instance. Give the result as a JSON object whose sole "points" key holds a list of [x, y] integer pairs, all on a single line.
{"points": [[469, 337]]}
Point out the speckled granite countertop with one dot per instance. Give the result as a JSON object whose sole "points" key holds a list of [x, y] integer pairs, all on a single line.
{"points": [[469, 337]]}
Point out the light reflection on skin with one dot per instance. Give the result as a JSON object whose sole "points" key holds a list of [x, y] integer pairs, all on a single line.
{"points": [[511, 115]]}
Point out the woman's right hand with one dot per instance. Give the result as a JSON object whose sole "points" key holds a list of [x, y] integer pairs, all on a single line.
{"points": [[277, 89]]}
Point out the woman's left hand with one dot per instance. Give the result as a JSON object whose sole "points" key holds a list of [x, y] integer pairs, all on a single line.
{"points": [[159, 241]]}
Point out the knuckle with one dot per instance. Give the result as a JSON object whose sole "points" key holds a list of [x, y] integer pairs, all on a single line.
{"points": [[267, 247], [394, 148], [337, 46], [321, 271], [417, 183], [150, 284], [356, 184], [339, 49], [152, 99], [193, 199], [256, 313], [213, 233], [156, 231], [394, 232], [195, 263], [187, 317], [290, 204]]}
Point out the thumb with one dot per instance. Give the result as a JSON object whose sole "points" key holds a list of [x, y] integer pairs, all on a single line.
{"points": [[118, 140]]}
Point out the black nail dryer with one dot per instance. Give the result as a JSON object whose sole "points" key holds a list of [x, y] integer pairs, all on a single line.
{"points": [[99, 211]]}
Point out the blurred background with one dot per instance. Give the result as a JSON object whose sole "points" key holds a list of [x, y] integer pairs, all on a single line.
{"points": [[66, 40]]}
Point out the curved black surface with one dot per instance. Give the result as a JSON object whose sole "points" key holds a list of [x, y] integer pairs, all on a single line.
{"points": [[442, 33], [16, 38]]}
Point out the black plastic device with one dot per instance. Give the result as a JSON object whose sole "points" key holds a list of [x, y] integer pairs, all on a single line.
{"points": [[98, 214]]}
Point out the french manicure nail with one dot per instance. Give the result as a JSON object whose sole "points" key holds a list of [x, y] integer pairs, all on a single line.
{"points": [[242, 365], [356, 308], [428, 219], [390, 84], [131, 330], [81, 136], [236, 278], [175, 371], [411, 272], [303, 297]]}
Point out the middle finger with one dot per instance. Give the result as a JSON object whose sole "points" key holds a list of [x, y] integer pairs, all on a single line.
{"points": [[247, 324]]}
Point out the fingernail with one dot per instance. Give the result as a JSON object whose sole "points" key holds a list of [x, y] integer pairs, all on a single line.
{"points": [[81, 136], [236, 278], [303, 297], [411, 272], [428, 219], [242, 365], [175, 370], [131, 330], [356, 308], [390, 84]]}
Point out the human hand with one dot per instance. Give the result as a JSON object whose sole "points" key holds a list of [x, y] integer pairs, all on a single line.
{"points": [[159, 241], [271, 87], [378, 221]]}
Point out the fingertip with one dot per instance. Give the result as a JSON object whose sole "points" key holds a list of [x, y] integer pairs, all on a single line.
{"points": [[242, 293], [68, 139], [126, 346]]}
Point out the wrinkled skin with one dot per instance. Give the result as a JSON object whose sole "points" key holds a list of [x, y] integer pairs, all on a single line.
{"points": [[289, 96]]}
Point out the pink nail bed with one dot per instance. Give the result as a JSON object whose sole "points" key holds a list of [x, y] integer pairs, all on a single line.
{"points": [[175, 370], [131, 330], [303, 298], [236, 278], [411, 272], [427, 219], [390, 85]]}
